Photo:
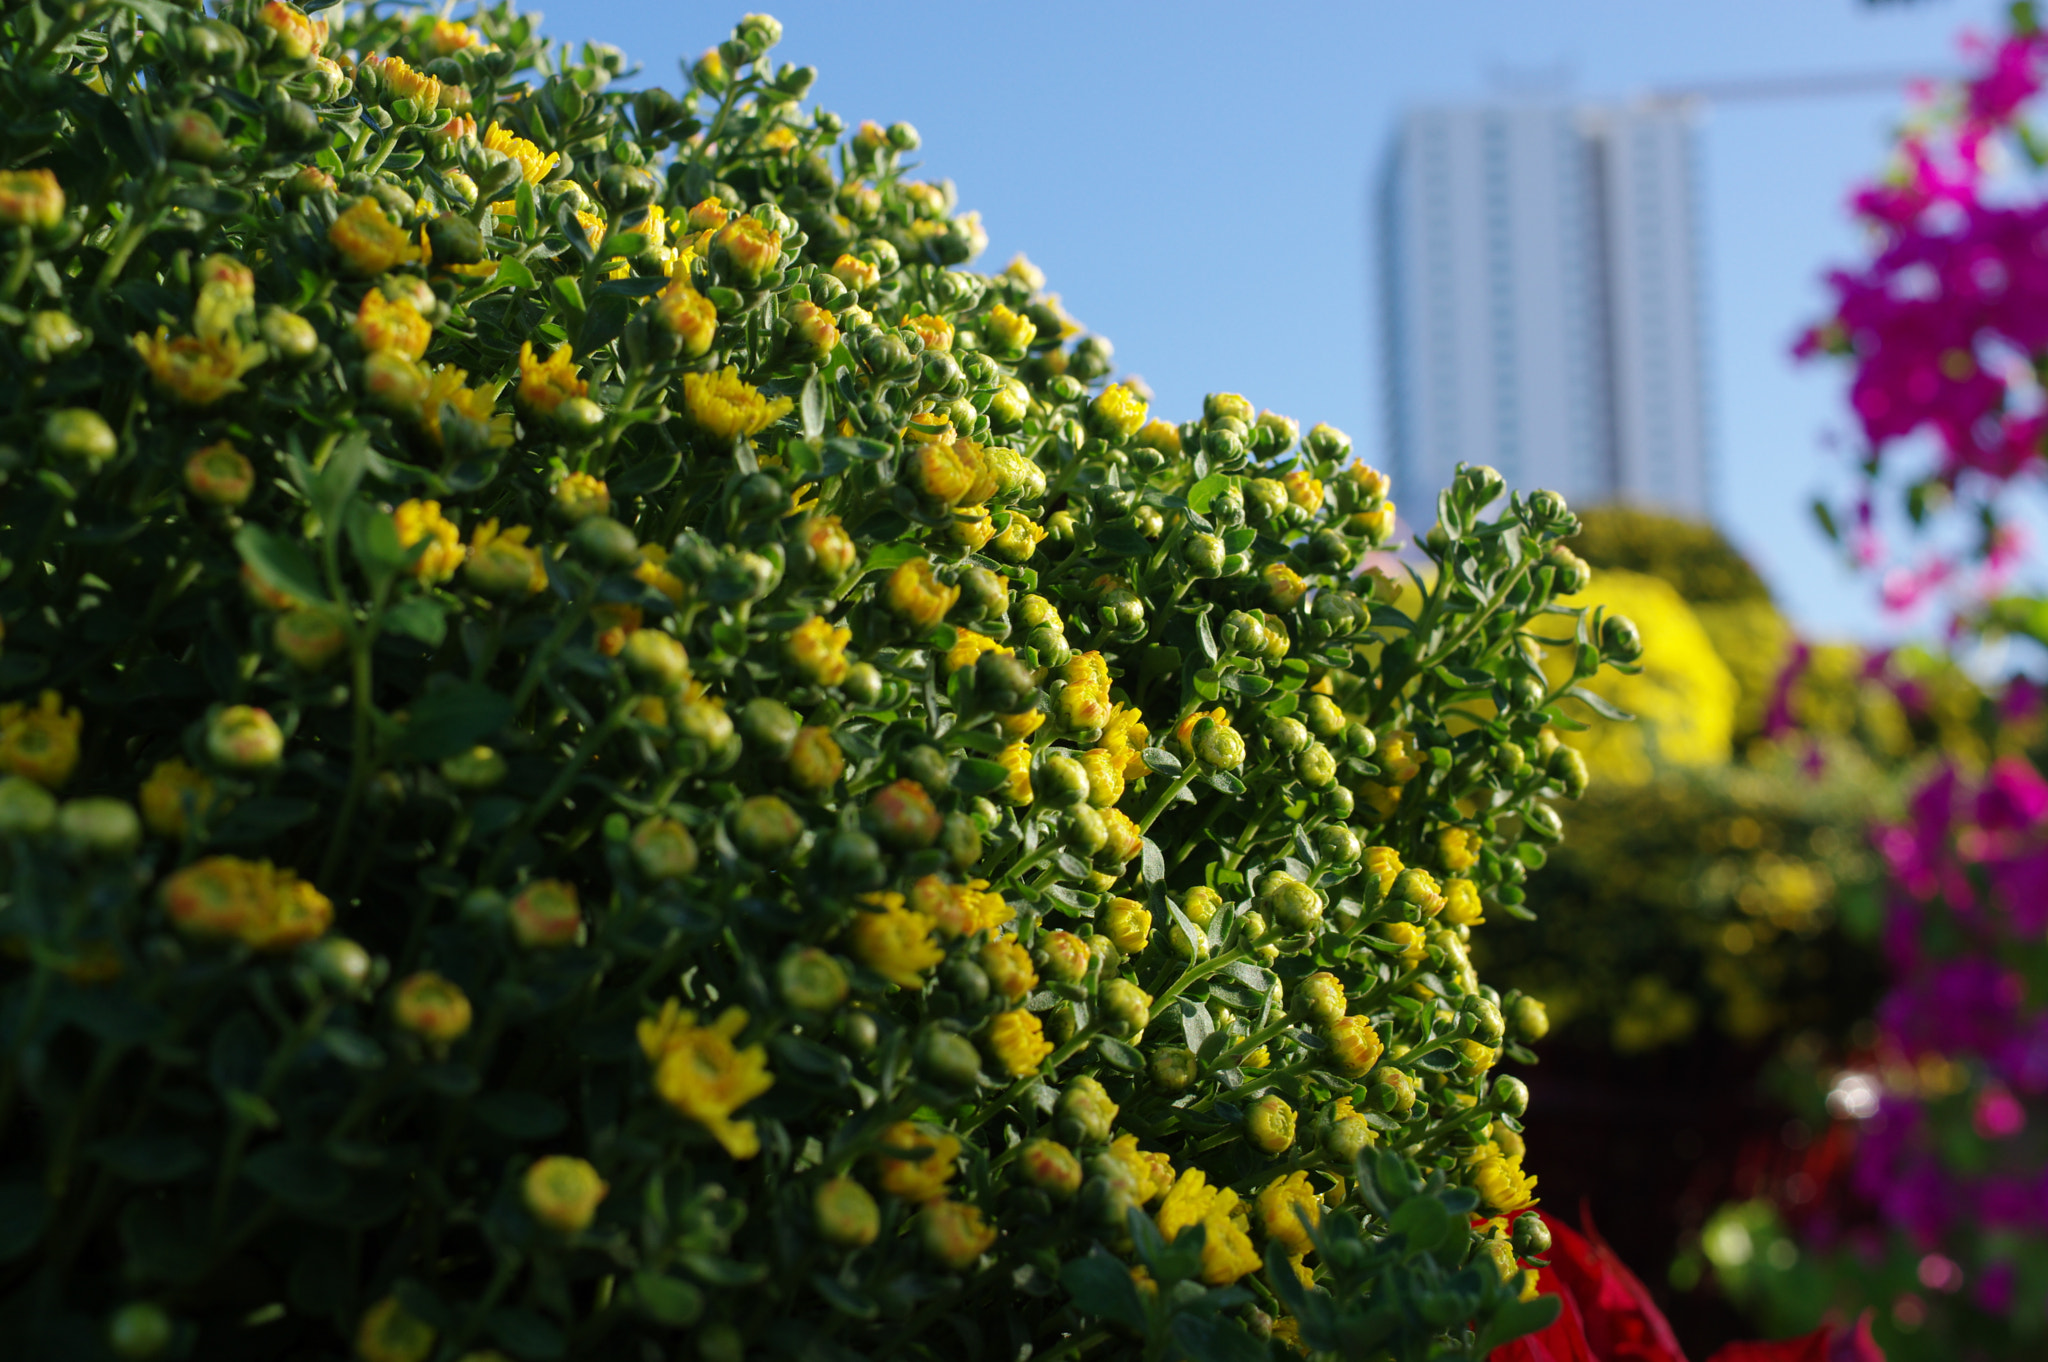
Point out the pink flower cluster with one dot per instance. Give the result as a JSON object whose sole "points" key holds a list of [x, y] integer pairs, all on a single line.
{"points": [[1946, 329], [1970, 868]]}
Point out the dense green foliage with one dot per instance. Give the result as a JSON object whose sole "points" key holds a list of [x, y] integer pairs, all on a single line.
{"points": [[704, 779]]}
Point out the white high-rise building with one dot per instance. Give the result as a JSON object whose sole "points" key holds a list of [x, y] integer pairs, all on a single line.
{"points": [[1540, 301]]}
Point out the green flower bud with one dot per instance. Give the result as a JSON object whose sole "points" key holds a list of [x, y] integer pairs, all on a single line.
{"points": [[1004, 684], [1511, 1096], [1488, 1026], [1542, 822], [1087, 833], [1392, 1091], [903, 137], [858, 1030], [1476, 486], [759, 32], [1050, 1167], [810, 980], [139, 1330], [343, 965], [1323, 717], [98, 826], [1060, 781], [606, 543], [1269, 1124], [1292, 904], [1570, 573], [766, 828], [624, 187], [192, 135], [1337, 844], [1084, 1115], [455, 240], [1286, 735], [26, 808], [80, 433], [480, 768], [1316, 766], [662, 849], [1244, 633], [1266, 500], [863, 685], [244, 738], [1531, 1236], [960, 839], [948, 1057], [1219, 745], [769, 725], [855, 858], [1173, 1068], [846, 1214], [52, 336], [1328, 443], [1568, 769], [1345, 1138], [1531, 1020], [1204, 554], [312, 636], [657, 660], [1546, 512], [1619, 640], [1127, 1007]]}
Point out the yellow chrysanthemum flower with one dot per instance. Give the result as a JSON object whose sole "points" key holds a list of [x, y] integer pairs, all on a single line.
{"points": [[174, 786], [917, 1177], [1227, 1248], [422, 520], [896, 943], [702, 1074], [546, 384], [197, 370], [40, 742], [534, 164], [370, 241], [726, 405], [394, 326], [1018, 1042]]}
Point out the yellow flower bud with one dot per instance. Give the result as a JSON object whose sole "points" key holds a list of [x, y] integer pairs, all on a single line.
{"points": [[846, 1213], [431, 1008], [563, 1193]]}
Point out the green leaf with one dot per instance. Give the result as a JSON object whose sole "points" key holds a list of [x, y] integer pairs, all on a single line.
{"points": [[604, 323], [298, 1175], [279, 563], [1204, 493], [1517, 1319], [419, 618], [1119, 1055], [1162, 761], [845, 1299], [1215, 1338], [1100, 1285], [521, 1115], [1600, 705], [449, 721], [527, 1334], [1123, 539], [24, 1211], [149, 1158], [512, 273], [811, 408], [373, 537], [668, 1301], [337, 479], [976, 776], [716, 1269]]}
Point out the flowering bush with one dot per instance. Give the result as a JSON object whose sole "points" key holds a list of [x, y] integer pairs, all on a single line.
{"points": [[603, 747], [1944, 330]]}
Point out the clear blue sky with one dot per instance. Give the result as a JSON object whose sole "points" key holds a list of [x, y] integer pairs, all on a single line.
{"points": [[1193, 177]]}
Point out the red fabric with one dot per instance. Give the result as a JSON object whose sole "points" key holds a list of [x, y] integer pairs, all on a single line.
{"points": [[1608, 1316], [1622, 1322], [1811, 1347]]}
